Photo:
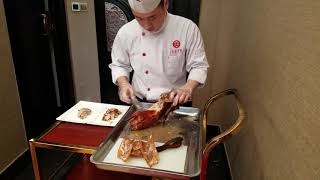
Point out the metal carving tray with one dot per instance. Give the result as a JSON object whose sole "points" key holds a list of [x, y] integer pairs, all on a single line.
{"points": [[184, 122]]}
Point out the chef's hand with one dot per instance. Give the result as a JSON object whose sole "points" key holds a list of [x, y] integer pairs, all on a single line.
{"points": [[180, 96], [184, 93], [126, 92]]}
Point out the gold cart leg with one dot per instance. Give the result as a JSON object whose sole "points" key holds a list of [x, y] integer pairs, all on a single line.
{"points": [[34, 159]]}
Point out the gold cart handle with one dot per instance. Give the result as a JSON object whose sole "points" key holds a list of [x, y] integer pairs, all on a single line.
{"points": [[234, 129]]}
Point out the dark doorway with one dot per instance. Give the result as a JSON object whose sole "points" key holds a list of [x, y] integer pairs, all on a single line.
{"points": [[39, 43], [110, 16]]}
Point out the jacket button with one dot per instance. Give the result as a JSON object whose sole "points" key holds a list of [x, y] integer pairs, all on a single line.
{"points": [[148, 89], [143, 33], [143, 54], [146, 72]]}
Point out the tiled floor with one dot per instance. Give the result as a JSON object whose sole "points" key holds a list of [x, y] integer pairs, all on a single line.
{"points": [[50, 160]]}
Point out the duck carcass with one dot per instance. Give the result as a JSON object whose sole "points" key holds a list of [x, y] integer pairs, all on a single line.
{"points": [[160, 109]]}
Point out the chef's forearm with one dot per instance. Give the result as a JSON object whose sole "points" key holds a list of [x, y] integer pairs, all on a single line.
{"points": [[191, 85], [122, 80]]}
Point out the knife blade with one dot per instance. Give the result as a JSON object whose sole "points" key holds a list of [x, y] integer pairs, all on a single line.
{"points": [[137, 104]]}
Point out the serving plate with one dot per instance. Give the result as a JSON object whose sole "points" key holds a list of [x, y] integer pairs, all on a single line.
{"points": [[97, 112], [180, 163]]}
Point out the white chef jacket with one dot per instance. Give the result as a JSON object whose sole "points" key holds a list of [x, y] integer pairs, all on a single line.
{"points": [[160, 60]]}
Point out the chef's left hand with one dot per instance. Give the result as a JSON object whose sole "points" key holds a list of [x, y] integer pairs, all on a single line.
{"points": [[184, 93], [181, 95]]}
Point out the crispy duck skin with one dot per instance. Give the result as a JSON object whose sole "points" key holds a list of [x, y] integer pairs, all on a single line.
{"points": [[138, 148], [125, 149], [146, 149], [150, 153], [111, 114], [144, 119], [84, 113]]}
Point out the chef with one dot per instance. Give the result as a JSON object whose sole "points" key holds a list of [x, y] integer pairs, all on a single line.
{"points": [[164, 51]]}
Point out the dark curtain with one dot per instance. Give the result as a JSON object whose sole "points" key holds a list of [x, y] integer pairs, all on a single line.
{"points": [[187, 8]]}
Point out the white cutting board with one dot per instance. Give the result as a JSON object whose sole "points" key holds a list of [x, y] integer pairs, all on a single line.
{"points": [[170, 159]]}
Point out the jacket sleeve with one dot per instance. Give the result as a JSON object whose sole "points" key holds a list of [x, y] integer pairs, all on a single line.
{"points": [[196, 60], [120, 65]]}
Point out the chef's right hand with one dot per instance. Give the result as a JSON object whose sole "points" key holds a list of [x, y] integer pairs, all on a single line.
{"points": [[126, 92]]}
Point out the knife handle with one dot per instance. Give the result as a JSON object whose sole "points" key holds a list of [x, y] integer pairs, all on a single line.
{"points": [[173, 143]]}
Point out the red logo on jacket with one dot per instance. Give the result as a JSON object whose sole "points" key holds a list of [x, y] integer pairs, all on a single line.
{"points": [[176, 43]]}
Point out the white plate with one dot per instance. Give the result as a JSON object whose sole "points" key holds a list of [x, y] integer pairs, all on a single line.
{"points": [[97, 112]]}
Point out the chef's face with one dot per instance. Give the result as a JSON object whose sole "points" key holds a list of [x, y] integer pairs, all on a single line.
{"points": [[153, 20]]}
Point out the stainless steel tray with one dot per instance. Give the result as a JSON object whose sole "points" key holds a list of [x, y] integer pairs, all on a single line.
{"points": [[184, 122]]}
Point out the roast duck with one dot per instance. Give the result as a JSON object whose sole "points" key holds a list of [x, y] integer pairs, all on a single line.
{"points": [[159, 110], [142, 120]]}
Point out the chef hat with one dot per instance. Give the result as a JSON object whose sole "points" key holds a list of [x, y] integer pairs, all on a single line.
{"points": [[143, 6]]}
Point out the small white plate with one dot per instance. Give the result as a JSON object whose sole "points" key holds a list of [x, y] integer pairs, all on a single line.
{"points": [[97, 112]]}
